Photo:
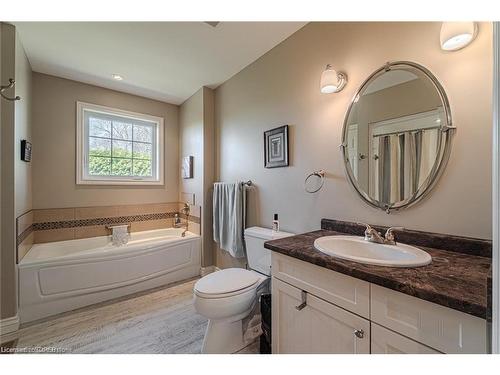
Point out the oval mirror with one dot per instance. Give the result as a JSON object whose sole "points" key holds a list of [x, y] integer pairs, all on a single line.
{"points": [[396, 138]]}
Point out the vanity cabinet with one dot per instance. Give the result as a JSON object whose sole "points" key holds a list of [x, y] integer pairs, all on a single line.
{"points": [[316, 310], [320, 327]]}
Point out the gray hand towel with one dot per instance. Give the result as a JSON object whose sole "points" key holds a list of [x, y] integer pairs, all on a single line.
{"points": [[229, 204]]}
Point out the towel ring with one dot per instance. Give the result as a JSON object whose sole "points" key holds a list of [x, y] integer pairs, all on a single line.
{"points": [[321, 174]]}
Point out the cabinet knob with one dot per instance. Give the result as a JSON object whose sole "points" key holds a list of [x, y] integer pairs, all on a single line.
{"points": [[359, 333]]}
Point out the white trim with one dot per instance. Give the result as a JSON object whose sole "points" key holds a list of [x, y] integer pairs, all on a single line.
{"points": [[495, 329], [9, 325], [82, 179], [411, 122]]}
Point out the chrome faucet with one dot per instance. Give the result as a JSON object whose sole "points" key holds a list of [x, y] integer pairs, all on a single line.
{"points": [[371, 235], [177, 221], [389, 235]]}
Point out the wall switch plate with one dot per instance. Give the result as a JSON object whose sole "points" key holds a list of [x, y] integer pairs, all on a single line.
{"points": [[25, 150]]}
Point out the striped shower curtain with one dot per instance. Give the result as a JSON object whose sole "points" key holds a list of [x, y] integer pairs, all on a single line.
{"points": [[404, 162]]}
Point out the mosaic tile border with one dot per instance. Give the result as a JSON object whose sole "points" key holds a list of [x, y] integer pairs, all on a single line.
{"points": [[101, 221], [77, 223], [192, 218]]}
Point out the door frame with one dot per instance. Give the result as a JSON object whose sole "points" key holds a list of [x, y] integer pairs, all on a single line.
{"points": [[495, 331]]}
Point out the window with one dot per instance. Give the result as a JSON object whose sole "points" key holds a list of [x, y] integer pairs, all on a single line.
{"points": [[116, 147]]}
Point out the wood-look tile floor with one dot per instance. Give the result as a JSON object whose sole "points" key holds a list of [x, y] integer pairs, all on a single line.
{"points": [[158, 321]]}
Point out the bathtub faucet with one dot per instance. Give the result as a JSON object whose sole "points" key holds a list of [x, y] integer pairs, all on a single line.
{"points": [[119, 234], [177, 222]]}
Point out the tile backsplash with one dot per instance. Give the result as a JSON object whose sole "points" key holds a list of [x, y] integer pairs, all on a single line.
{"points": [[60, 224]]}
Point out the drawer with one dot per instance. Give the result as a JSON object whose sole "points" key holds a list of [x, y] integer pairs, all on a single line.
{"points": [[442, 328], [347, 292], [385, 341]]}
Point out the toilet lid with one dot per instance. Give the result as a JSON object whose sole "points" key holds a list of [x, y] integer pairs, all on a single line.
{"points": [[226, 281]]}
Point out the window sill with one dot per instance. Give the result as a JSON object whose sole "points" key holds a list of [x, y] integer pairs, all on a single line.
{"points": [[118, 182]]}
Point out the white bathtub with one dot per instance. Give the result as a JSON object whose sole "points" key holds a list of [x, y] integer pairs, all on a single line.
{"points": [[61, 276]]}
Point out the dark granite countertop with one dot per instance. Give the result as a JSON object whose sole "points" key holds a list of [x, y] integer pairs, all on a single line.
{"points": [[454, 279]]}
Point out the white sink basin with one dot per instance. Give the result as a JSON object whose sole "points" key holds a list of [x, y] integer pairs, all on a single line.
{"points": [[357, 249]]}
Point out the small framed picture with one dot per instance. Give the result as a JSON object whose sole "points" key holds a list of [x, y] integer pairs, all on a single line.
{"points": [[276, 147], [187, 167]]}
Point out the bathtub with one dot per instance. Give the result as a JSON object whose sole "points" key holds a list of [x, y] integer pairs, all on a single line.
{"points": [[61, 276]]}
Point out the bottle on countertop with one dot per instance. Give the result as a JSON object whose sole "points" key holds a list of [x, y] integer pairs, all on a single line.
{"points": [[276, 223]]}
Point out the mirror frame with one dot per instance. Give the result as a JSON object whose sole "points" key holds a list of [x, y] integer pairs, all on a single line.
{"points": [[447, 130]]}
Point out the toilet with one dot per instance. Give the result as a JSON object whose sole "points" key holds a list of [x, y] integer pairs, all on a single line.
{"points": [[228, 296]]}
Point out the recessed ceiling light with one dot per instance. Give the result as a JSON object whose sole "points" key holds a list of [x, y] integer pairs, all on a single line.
{"points": [[117, 77]]}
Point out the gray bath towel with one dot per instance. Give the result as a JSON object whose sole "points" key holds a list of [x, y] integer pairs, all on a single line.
{"points": [[229, 217]]}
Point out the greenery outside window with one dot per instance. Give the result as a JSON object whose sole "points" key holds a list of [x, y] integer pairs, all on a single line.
{"points": [[116, 147]]}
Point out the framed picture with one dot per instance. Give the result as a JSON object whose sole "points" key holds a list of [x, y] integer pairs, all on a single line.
{"points": [[276, 147], [187, 167]]}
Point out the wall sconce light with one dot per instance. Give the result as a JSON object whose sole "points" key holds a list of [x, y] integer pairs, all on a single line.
{"points": [[457, 35], [332, 81]]}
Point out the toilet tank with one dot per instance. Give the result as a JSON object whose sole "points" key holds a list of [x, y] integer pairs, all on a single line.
{"points": [[259, 258]]}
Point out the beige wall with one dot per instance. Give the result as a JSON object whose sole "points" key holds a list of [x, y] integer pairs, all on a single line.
{"points": [[8, 270], [16, 175], [196, 138], [191, 144], [208, 174], [23, 172], [282, 87], [54, 134], [1, 197]]}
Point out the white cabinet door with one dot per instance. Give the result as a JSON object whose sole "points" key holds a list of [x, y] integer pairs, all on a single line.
{"points": [[385, 341], [319, 327]]}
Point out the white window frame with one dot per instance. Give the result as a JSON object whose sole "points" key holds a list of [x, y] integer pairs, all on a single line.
{"points": [[82, 177]]}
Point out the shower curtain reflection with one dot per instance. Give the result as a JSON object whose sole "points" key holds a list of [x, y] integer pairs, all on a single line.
{"points": [[403, 163]]}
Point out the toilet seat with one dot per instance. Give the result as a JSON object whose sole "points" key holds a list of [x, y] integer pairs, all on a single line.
{"points": [[226, 283]]}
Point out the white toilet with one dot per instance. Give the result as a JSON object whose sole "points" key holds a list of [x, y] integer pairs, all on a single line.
{"points": [[228, 296]]}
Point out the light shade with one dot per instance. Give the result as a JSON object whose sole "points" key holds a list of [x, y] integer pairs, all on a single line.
{"points": [[332, 81], [456, 35]]}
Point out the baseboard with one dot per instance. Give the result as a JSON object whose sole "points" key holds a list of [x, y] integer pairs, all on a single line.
{"points": [[9, 325], [208, 269]]}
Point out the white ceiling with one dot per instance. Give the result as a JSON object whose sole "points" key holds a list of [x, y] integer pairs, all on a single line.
{"points": [[167, 61]]}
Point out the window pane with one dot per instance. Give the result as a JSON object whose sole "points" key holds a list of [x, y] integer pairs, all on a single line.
{"points": [[99, 127], [142, 168], [99, 147], [143, 133], [122, 130], [122, 167], [99, 166], [143, 151], [122, 149]]}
